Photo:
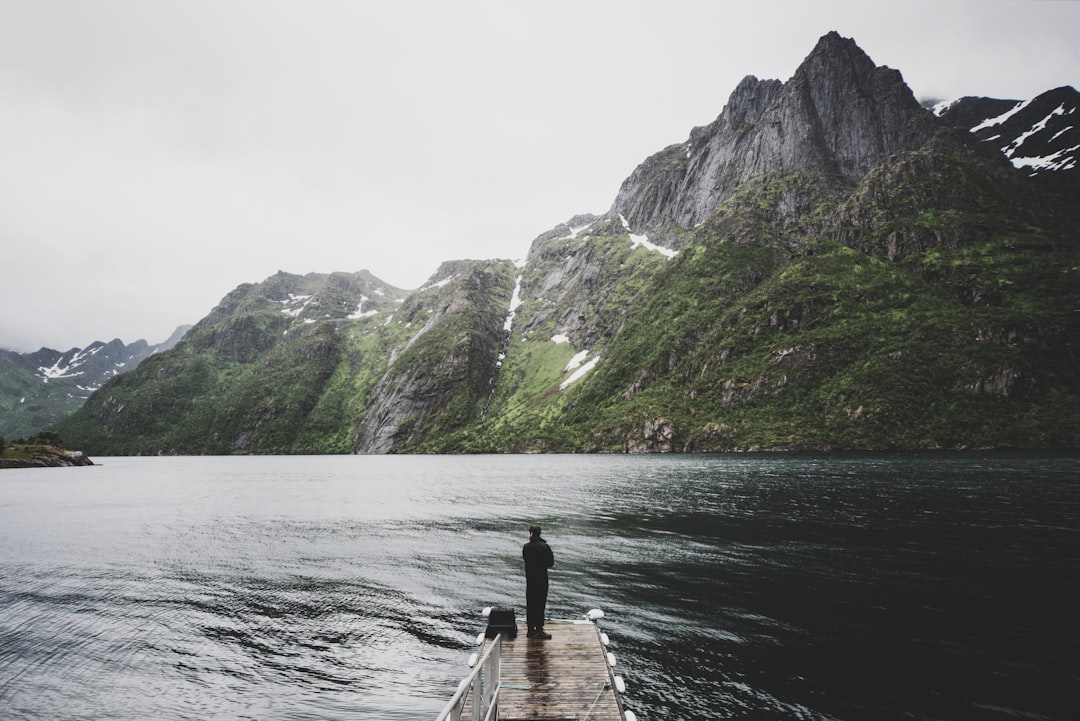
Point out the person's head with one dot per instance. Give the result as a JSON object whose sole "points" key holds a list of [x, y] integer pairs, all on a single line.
{"points": [[534, 531]]}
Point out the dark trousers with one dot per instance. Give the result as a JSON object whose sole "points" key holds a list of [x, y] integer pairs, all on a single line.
{"points": [[536, 590]]}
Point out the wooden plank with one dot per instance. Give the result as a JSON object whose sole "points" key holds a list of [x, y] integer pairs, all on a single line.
{"points": [[564, 677]]}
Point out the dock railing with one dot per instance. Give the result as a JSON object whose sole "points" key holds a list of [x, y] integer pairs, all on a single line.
{"points": [[483, 680]]}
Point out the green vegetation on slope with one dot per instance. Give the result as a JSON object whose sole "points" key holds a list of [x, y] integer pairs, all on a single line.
{"points": [[441, 377], [936, 304], [276, 368], [766, 334]]}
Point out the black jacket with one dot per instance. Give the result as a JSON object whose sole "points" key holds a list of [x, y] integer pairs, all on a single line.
{"points": [[538, 558]]}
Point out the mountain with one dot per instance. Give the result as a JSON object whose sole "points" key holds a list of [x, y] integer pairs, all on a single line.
{"points": [[838, 116], [1040, 136], [39, 389], [827, 265], [315, 364]]}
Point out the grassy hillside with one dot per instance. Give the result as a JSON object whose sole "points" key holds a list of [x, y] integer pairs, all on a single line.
{"points": [[944, 321], [300, 364], [934, 304]]}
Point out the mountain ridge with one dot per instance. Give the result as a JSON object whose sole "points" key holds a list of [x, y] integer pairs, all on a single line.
{"points": [[827, 265], [770, 126], [40, 388]]}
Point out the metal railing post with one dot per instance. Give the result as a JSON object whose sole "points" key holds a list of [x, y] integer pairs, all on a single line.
{"points": [[484, 681]]}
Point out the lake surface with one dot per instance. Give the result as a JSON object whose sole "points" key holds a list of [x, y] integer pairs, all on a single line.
{"points": [[915, 586]]}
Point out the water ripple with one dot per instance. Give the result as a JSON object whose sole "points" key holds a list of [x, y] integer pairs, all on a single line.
{"points": [[887, 587]]}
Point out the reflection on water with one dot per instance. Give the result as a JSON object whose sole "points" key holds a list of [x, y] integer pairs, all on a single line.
{"points": [[885, 587]]}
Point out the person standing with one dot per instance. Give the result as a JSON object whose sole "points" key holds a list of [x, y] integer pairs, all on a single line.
{"points": [[538, 559]]}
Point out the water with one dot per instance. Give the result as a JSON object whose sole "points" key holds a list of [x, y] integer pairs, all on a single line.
{"points": [[933, 586]]}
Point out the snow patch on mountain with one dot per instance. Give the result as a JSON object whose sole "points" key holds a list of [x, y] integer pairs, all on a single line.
{"points": [[437, 284], [295, 304], [515, 302], [942, 106], [576, 361], [575, 364], [68, 368], [643, 241], [575, 232], [998, 120], [360, 312], [1035, 135], [1059, 160], [579, 373]]}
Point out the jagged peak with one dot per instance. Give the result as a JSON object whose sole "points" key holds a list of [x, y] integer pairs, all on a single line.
{"points": [[839, 61], [838, 114], [842, 54], [833, 44], [749, 100]]}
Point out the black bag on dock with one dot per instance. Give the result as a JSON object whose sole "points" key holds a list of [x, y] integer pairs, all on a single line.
{"points": [[501, 620]]}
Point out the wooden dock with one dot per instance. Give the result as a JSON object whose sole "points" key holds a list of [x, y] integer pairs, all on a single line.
{"points": [[568, 676]]}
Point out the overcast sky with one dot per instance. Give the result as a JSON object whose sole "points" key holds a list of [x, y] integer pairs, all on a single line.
{"points": [[155, 155]]}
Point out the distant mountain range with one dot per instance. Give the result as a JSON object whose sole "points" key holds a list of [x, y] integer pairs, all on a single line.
{"points": [[39, 389], [827, 265]]}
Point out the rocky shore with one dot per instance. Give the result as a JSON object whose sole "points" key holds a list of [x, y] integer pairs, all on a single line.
{"points": [[44, 457]]}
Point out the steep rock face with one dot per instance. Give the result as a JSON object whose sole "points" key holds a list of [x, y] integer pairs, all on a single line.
{"points": [[438, 380], [838, 114], [563, 271], [577, 279]]}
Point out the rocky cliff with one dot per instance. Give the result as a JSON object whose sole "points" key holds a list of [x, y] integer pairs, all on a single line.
{"points": [[438, 379], [838, 115]]}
